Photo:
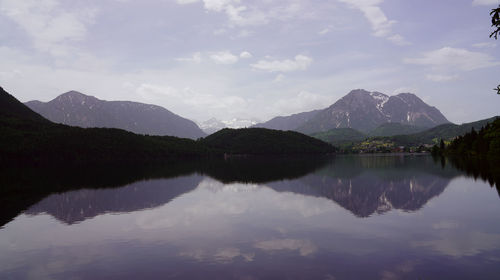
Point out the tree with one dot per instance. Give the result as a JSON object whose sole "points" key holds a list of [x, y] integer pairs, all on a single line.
{"points": [[495, 23]]}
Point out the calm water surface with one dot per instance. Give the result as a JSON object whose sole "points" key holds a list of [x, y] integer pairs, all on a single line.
{"points": [[352, 217]]}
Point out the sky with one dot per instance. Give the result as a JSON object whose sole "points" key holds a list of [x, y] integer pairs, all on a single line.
{"points": [[252, 59]]}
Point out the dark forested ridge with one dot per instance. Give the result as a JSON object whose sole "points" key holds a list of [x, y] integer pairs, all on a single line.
{"points": [[482, 143], [261, 141], [26, 136]]}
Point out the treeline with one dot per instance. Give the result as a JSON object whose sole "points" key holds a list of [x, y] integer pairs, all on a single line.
{"points": [[25, 136], [263, 141], [33, 141], [485, 143], [26, 140]]}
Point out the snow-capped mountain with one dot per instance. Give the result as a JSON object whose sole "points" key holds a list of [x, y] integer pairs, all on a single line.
{"points": [[213, 125], [364, 111]]}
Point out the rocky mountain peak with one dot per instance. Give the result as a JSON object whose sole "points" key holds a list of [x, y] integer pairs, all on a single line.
{"points": [[364, 111]]}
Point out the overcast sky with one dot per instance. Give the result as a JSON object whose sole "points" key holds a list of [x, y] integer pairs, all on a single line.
{"points": [[252, 59]]}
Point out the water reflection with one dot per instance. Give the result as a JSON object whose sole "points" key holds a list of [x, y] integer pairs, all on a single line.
{"points": [[420, 221], [362, 185], [75, 206]]}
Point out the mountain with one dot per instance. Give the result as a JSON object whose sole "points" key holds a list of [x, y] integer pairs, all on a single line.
{"points": [[13, 108], [78, 205], [29, 138], [391, 129], [364, 111], [291, 122], [77, 109], [262, 141], [340, 136], [433, 135], [483, 143], [240, 123], [367, 185], [25, 140], [212, 125]]}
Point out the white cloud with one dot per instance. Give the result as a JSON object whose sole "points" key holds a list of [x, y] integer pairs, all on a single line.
{"points": [[195, 58], [51, 28], [218, 5], [219, 31], [301, 62], [183, 2], [405, 90], [244, 34], [381, 25], [255, 12], [224, 57], [303, 101], [453, 58], [398, 40], [279, 78], [324, 31], [245, 54], [485, 45], [485, 2], [440, 78], [305, 247], [153, 92]]}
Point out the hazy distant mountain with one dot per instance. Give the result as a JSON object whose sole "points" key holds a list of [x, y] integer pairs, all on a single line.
{"points": [[240, 123], [212, 125], [364, 111], [289, 122], [77, 109]]}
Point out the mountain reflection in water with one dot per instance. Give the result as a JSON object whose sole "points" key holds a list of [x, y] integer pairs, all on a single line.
{"points": [[346, 217], [362, 185]]}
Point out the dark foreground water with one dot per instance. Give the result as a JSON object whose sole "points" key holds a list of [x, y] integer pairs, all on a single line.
{"points": [[352, 217]]}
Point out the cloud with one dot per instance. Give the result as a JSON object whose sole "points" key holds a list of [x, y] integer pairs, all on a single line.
{"points": [[301, 62], [324, 31], [245, 54], [485, 2], [441, 78], [451, 242], [301, 102], [404, 90], [253, 13], [218, 5], [224, 57], [380, 24], [485, 45], [305, 247], [453, 58], [152, 92], [195, 58], [398, 40], [184, 2], [219, 31], [279, 78], [51, 28]]}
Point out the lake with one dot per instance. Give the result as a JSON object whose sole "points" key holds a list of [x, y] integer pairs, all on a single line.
{"points": [[346, 217]]}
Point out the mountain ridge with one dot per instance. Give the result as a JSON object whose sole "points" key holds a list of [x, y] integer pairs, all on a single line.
{"points": [[78, 109], [364, 111]]}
